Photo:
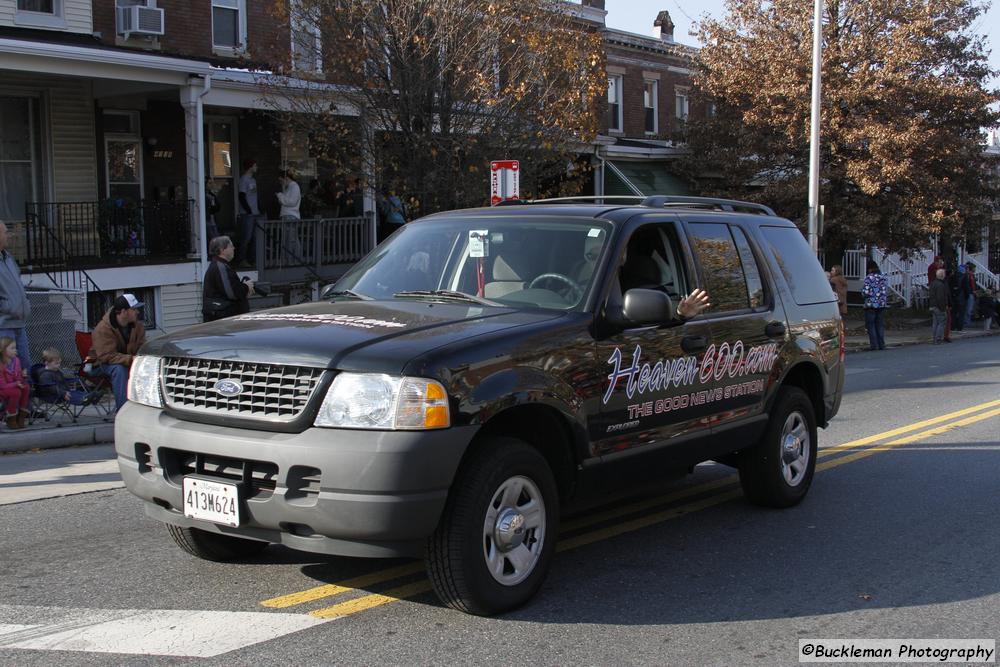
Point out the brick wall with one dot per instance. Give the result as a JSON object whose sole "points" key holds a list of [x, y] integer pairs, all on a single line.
{"points": [[188, 30], [633, 79]]}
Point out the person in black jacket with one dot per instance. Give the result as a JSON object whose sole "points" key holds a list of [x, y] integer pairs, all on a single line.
{"points": [[223, 293]]}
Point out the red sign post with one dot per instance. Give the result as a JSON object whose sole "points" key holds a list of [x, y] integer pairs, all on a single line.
{"points": [[505, 182]]}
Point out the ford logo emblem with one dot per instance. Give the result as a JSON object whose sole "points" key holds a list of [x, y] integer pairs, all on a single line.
{"points": [[228, 388]]}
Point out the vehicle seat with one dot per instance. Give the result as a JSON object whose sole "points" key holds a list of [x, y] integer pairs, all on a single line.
{"points": [[584, 269], [640, 271], [505, 280]]}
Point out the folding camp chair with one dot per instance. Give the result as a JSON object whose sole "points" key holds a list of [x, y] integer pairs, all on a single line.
{"points": [[48, 396], [92, 381]]}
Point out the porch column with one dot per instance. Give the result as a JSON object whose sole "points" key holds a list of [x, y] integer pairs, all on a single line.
{"points": [[194, 133]]}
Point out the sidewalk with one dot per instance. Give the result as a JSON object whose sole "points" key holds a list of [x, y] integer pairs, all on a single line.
{"points": [[906, 331], [92, 428]]}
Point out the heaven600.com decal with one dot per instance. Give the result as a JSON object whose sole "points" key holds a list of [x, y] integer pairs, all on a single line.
{"points": [[719, 362]]}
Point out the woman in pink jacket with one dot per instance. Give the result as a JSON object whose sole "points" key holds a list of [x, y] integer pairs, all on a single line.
{"points": [[13, 386]]}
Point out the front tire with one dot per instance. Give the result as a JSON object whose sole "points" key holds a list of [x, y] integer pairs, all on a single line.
{"points": [[213, 546], [494, 543], [778, 470]]}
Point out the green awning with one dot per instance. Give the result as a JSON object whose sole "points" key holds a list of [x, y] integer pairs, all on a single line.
{"points": [[648, 177]]}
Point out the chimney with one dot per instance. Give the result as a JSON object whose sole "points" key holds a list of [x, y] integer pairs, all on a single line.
{"points": [[663, 27], [596, 4]]}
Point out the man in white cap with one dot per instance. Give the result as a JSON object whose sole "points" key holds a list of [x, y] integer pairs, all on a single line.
{"points": [[116, 339]]}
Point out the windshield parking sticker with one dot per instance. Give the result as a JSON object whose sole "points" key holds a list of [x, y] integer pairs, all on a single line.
{"points": [[719, 362], [355, 321]]}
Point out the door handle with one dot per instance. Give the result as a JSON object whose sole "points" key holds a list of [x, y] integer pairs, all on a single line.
{"points": [[694, 343], [775, 329]]}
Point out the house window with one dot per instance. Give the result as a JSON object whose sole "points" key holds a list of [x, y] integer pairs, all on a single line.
{"points": [[229, 26], [681, 103], [20, 157], [649, 104], [40, 13], [615, 103], [307, 55], [42, 6]]}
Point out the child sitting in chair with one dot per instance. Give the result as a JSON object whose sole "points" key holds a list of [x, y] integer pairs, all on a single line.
{"points": [[53, 386]]}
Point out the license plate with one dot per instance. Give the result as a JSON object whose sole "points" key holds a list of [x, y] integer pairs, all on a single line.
{"points": [[209, 500]]}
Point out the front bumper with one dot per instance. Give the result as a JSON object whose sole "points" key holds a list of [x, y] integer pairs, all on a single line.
{"points": [[335, 491]]}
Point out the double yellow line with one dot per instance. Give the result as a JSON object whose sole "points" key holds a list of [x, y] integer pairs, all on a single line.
{"points": [[858, 449]]}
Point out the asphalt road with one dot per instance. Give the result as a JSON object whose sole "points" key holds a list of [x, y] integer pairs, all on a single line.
{"points": [[897, 539]]}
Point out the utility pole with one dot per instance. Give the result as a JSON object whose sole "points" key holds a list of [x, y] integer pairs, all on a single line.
{"points": [[814, 210]]}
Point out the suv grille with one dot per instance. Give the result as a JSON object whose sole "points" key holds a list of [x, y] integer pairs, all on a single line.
{"points": [[270, 392], [259, 477]]}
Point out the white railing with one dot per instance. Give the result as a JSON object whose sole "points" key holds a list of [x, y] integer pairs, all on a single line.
{"points": [[854, 264], [898, 275], [984, 277]]}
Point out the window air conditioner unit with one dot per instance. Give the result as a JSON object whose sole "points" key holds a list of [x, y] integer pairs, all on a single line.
{"points": [[140, 20]]}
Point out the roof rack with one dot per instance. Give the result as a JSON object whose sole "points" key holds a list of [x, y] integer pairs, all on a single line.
{"points": [[734, 205], [593, 198], [661, 201]]}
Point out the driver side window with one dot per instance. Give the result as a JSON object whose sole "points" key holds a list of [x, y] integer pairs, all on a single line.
{"points": [[653, 260]]}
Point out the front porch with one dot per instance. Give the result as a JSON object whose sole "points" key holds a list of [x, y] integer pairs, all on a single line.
{"points": [[69, 236]]}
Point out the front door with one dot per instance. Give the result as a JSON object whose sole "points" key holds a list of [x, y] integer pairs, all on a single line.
{"points": [[653, 373]]}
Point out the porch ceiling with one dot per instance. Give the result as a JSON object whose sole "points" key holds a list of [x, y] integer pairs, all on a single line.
{"points": [[97, 63]]}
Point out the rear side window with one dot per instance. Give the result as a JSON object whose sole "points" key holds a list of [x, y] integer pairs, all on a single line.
{"points": [[755, 286], [802, 271], [720, 260]]}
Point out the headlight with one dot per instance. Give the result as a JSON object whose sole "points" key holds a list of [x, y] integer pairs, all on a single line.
{"points": [[357, 400], [144, 381]]}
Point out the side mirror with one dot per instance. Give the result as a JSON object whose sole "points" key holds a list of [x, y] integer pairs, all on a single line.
{"points": [[646, 306], [324, 294]]}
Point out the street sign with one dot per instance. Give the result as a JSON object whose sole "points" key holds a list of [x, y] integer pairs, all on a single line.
{"points": [[505, 182]]}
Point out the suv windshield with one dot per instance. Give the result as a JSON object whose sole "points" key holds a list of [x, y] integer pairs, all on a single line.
{"points": [[540, 261]]}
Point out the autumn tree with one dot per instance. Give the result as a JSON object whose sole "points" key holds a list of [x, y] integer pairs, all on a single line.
{"points": [[905, 103], [420, 95]]}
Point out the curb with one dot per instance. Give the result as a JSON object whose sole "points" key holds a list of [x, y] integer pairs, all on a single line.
{"points": [[63, 436], [862, 345]]}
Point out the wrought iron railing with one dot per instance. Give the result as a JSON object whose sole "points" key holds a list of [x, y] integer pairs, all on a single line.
{"points": [[62, 236]]}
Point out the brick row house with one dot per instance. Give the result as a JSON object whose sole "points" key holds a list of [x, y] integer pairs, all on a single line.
{"points": [[649, 84], [113, 116]]}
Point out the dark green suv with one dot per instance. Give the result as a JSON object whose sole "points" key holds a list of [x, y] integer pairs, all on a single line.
{"points": [[483, 370]]}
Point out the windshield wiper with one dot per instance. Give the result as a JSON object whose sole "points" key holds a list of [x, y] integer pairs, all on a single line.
{"points": [[347, 292], [447, 294]]}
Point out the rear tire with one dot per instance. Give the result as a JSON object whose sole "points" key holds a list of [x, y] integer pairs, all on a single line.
{"points": [[213, 546], [494, 544], [778, 470]]}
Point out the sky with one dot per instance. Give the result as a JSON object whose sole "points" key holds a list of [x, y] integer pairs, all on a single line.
{"points": [[638, 15]]}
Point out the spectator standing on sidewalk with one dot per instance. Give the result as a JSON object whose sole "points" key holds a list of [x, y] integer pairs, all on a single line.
{"points": [[969, 291], [839, 284], [989, 309], [14, 305], [938, 263], [957, 298], [223, 293], [939, 296], [875, 292], [117, 338]]}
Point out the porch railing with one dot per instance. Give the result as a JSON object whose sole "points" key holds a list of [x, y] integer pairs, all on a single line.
{"points": [[291, 250], [984, 277], [62, 236]]}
